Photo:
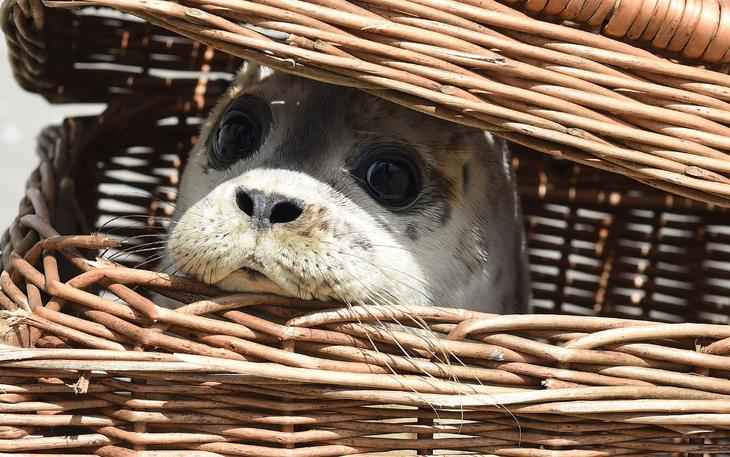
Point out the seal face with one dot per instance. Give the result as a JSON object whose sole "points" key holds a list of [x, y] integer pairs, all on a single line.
{"points": [[318, 191]]}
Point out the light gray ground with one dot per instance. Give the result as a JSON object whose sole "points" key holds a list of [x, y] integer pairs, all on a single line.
{"points": [[22, 116]]}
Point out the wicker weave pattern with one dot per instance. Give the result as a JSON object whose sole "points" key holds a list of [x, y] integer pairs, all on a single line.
{"points": [[697, 29], [98, 57], [559, 90]]}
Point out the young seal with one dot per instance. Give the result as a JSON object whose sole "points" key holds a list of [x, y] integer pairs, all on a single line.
{"points": [[317, 191]]}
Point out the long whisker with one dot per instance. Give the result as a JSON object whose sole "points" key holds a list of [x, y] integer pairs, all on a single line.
{"points": [[386, 328], [433, 338]]}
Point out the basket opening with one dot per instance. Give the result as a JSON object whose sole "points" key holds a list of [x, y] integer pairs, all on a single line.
{"points": [[599, 243]]}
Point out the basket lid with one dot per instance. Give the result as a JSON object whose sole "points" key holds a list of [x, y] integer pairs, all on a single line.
{"points": [[556, 88]]}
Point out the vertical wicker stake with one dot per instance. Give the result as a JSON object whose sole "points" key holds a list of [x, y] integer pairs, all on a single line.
{"points": [[606, 250], [288, 345], [139, 427], [50, 269], [425, 436], [702, 371]]}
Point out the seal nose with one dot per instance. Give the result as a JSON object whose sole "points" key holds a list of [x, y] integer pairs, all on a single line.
{"points": [[267, 209]]}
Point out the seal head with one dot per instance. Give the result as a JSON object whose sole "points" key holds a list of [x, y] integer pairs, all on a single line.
{"points": [[317, 191]]}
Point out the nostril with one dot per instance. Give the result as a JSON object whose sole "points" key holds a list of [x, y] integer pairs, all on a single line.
{"points": [[267, 209], [244, 202], [285, 211]]}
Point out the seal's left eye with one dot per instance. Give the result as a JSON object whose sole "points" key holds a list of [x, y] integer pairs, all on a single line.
{"points": [[390, 178], [239, 134]]}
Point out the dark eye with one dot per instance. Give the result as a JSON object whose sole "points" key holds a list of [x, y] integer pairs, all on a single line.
{"points": [[390, 178], [238, 134]]}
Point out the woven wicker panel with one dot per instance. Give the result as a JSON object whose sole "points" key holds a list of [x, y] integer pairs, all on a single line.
{"points": [[101, 55], [628, 251]]}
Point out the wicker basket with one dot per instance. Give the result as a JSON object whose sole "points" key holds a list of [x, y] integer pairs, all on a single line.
{"points": [[93, 367]]}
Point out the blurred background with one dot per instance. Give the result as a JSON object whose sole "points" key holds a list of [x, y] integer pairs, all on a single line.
{"points": [[22, 116]]}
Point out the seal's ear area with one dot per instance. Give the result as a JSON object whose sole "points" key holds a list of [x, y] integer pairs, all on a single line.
{"points": [[251, 73], [499, 148], [495, 142], [247, 75]]}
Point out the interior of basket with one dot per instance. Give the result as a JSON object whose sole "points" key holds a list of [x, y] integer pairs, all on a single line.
{"points": [[599, 243]]}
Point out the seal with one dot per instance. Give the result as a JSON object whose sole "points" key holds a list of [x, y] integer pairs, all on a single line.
{"points": [[324, 192]]}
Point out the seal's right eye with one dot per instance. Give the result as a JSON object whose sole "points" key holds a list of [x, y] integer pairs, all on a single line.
{"points": [[239, 134], [390, 175]]}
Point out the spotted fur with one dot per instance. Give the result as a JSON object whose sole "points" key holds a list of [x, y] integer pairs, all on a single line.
{"points": [[459, 244]]}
